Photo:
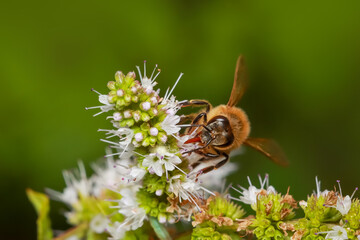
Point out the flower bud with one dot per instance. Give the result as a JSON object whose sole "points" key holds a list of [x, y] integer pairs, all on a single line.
{"points": [[127, 98], [111, 85], [152, 140], [139, 137], [153, 101], [117, 116], [127, 114], [145, 117], [136, 116], [162, 137], [149, 90], [119, 76], [131, 75], [120, 92], [154, 131], [145, 106], [146, 142], [162, 218], [133, 89], [135, 99], [159, 192], [120, 103], [130, 122], [145, 127]]}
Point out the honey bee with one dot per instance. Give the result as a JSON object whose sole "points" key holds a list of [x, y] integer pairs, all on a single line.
{"points": [[222, 129]]}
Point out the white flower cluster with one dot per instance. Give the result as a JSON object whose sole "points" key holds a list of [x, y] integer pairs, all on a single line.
{"points": [[250, 195], [144, 124]]}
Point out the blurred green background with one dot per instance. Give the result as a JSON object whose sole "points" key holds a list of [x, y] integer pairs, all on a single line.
{"points": [[303, 60]]}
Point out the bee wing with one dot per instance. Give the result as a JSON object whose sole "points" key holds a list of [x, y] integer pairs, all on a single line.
{"points": [[240, 82], [269, 148]]}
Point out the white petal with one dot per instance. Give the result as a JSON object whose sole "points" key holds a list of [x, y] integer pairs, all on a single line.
{"points": [[99, 223], [169, 166], [104, 99], [158, 169], [175, 160]]}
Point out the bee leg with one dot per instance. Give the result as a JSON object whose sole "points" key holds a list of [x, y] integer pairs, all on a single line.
{"points": [[218, 165], [207, 157], [199, 116], [186, 118], [197, 119], [187, 103]]}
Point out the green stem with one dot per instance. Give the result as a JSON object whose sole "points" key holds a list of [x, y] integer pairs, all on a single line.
{"points": [[73, 231]]}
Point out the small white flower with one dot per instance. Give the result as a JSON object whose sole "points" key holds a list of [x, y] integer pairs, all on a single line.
{"points": [[99, 223], [156, 161], [318, 192], [125, 136], [116, 175], [337, 233], [171, 105], [303, 204], [129, 207], [148, 83], [104, 99], [343, 204], [116, 230], [154, 164], [187, 189], [250, 195], [75, 186], [169, 124]]}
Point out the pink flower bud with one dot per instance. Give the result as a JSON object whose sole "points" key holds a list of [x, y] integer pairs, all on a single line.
{"points": [[154, 131]]}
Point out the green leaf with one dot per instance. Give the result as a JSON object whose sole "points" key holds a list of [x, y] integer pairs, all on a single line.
{"points": [[41, 204], [159, 229]]}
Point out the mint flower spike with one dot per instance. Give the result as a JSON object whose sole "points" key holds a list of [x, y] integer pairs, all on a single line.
{"points": [[337, 233]]}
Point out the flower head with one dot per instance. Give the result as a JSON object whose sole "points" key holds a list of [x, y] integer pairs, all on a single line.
{"points": [[77, 184], [249, 196], [161, 161]]}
